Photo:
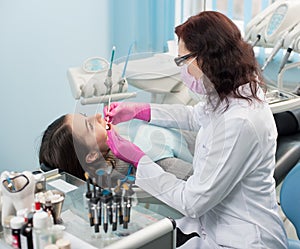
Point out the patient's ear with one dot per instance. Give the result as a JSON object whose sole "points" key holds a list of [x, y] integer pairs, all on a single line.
{"points": [[92, 157]]}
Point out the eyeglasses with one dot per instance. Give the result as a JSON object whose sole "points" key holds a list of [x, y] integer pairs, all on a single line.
{"points": [[180, 59]]}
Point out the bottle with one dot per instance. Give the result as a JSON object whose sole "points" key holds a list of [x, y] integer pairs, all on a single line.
{"points": [[50, 210], [26, 233], [16, 224], [40, 233], [7, 234]]}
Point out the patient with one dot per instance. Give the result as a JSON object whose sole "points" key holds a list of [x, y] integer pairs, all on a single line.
{"points": [[75, 143]]}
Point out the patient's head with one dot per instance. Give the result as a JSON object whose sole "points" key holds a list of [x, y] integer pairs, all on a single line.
{"points": [[74, 142]]}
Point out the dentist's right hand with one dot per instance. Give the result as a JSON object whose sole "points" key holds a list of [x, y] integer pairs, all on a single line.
{"points": [[124, 149], [125, 111]]}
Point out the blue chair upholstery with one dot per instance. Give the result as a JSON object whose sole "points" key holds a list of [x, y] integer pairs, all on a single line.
{"points": [[290, 201], [294, 244]]}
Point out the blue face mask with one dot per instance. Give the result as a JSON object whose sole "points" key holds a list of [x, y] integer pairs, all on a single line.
{"points": [[190, 81]]}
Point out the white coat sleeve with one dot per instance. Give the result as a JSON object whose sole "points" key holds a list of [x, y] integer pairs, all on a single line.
{"points": [[176, 116], [219, 164]]}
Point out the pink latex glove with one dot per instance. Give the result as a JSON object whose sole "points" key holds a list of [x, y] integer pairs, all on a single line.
{"points": [[124, 149], [125, 111]]}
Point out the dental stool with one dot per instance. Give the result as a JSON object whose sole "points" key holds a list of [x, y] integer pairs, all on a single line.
{"points": [[288, 143], [290, 202]]}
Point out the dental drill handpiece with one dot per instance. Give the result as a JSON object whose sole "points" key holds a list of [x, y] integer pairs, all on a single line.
{"points": [[130, 193], [115, 213], [116, 205], [127, 204], [88, 197], [125, 220], [118, 193], [286, 56], [108, 81], [110, 214], [100, 175], [105, 199], [99, 205], [276, 48], [122, 81], [94, 201]]}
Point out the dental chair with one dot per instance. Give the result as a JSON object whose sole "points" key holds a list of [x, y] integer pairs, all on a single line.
{"points": [[288, 143], [290, 202]]}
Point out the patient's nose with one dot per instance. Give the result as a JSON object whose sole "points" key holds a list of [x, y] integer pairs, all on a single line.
{"points": [[98, 117]]}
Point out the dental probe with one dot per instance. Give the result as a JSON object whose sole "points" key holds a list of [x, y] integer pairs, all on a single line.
{"points": [[108, 81], [107, 126]]}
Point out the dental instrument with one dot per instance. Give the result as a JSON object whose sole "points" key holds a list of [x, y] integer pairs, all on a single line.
{"points": [[257, 40], [106, 199], [127, 203], [286, 57], [88, 196], [94, 201], [118, 196], [108, 81], [114, 213], [276, 48], [122, 81], [108, 125], [99, 206], [105, 98]]}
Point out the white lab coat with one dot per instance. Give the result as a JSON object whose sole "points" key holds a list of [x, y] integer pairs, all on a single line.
{"points": [[230, 200]]}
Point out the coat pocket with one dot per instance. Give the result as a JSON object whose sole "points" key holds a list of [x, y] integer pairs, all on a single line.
{"points": [[237, 236]]}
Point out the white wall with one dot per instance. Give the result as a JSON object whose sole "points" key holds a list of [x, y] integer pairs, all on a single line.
{"points": [[39, 40]]}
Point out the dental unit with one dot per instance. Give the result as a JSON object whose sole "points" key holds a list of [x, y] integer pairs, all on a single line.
{"points": [[277, 27], [98, 81]]}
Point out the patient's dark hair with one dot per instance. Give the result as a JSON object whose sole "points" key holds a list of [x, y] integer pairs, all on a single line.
{"points": [[61, 149], [222, 54], [57, 148]]}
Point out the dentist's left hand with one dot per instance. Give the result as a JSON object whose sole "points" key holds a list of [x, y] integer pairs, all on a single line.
{"points": [[124, 149]]}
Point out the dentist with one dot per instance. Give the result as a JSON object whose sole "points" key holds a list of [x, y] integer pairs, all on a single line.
{"points": [[230, 200]]}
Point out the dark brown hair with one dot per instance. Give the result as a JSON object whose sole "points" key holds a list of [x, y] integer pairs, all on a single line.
{"points": [[222, 55], [61, 149]]}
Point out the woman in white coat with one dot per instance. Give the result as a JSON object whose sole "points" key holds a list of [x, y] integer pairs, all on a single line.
{"points": [[230, 200]]}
